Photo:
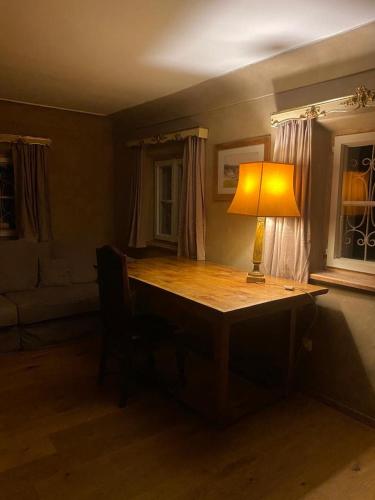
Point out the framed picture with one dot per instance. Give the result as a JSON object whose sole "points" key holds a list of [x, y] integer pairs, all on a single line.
{"points": [[229, 156]]}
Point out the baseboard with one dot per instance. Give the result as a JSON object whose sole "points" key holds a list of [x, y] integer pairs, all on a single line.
{"points": [[347, 410]]}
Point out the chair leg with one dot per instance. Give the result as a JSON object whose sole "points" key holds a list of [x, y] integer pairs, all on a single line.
{"points": [[151, 365], [102, 363], [124, 384], [126, 372], [124, 394], [181, 354]]}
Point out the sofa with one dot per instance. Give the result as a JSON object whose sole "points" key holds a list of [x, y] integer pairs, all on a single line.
{"points": [[48, 293]]}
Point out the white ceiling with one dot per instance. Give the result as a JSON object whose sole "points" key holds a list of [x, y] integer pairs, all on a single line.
{"points": [[103, 56]]}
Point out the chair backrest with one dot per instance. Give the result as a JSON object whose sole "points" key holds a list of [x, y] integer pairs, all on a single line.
{"points": [[114, 290]]}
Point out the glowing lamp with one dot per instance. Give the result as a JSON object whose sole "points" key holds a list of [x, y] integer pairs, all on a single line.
{"points": [[264, 189]]}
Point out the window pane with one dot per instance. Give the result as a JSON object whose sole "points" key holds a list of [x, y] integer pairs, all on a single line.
{"points": [[179, 182], [358, 204], [166, 183], [7, 202], [165, 218]]}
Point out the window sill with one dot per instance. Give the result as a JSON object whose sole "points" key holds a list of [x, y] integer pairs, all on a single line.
{"points": [[346, 279], [168, 245]]}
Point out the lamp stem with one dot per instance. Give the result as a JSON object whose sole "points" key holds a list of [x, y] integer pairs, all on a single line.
{"points": [[256, 276]]}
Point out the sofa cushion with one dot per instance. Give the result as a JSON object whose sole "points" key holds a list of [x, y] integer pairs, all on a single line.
{"points": [[81, 258], [43, 334], [8, 312], [42, 304], [10, 339], [18, 265], [43, 249], [54, 272]]}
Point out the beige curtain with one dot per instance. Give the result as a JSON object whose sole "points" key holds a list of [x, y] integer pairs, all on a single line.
{"points": [[32, 194], [287, 239], [192, 219], [136, 197]]}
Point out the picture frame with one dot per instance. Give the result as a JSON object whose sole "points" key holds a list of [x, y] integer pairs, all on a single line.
{"points": [[229, 155]]}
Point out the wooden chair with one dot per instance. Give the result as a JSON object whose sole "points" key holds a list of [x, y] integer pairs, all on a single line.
{"points": [[125, 332]]}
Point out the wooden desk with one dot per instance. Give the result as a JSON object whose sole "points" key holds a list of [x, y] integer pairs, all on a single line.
{"points": [[183, 288]]}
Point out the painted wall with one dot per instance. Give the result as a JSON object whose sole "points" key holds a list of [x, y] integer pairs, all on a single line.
{"points": [[340, 367], [239, 105], [80, 168], [236, 106]]}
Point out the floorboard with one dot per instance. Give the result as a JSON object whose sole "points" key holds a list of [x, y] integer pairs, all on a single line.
{"points": [[64, 438]]}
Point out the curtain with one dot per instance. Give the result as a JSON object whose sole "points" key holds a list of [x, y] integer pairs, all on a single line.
{"points": [[135, 239], [32, 194], [192, 220], [287, 239]]}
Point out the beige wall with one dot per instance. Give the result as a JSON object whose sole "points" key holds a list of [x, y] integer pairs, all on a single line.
{"points": [[341, 366], [238, 105], [80, 168]]}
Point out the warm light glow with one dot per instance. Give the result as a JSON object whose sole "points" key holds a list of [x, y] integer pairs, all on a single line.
{"points": [[354, 190], [265, 189], [251, 183], [276, 186]]}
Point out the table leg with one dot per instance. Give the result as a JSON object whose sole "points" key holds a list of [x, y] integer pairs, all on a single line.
{"points": [[221, 359], [292, 353]]}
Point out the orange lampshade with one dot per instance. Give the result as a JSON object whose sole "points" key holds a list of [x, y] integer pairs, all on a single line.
{"points": [[265, 189]]}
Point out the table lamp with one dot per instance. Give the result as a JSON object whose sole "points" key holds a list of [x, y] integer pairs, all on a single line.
{"points": [[265, 189]]}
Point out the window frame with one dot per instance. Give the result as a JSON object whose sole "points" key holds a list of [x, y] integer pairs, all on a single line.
{"points": [[334, 238], [8, 234], [176, 165]]}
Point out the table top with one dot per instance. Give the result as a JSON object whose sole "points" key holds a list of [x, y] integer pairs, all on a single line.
{"points": [[219, 287]]}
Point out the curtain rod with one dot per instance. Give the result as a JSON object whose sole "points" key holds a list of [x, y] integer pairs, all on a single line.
{"points": [[360, 99], [25, 138], [179, 135]]}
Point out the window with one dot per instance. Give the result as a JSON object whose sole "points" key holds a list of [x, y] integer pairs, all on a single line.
{"points": [[352, 220], [7, 201], [168, 176]]}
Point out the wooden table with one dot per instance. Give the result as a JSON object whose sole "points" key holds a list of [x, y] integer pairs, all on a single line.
{"points": [[183, 289]]}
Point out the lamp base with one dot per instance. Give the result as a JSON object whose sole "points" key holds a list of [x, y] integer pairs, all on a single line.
{"points": [[255, 277]]}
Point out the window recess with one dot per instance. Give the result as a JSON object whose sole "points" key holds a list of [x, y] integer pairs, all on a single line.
{"points": [[7, 198], [168, 177], [351, 242]]}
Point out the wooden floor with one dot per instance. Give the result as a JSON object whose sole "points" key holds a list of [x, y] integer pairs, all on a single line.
{"points": [[62, 438]]}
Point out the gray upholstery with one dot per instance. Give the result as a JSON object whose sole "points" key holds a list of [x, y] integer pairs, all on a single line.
{"points": [[8, 312], [44, 249], [10, 339], [32, 313], [43, 304], [52, 332], [54, 272], [81, 258], [18, 265]]}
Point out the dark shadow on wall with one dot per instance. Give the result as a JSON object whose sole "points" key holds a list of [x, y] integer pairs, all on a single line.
{"points": [[339, 369], [341, 366], [259, 350]]}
